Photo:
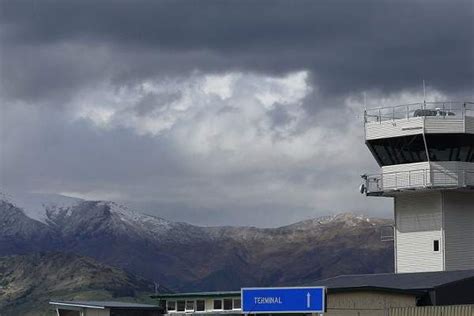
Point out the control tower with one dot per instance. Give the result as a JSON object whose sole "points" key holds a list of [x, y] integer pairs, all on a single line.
{"points": [[426, 154]]}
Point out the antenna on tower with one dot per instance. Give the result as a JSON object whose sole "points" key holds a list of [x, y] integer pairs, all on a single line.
{"points": [[365, 101], [424, 93]]}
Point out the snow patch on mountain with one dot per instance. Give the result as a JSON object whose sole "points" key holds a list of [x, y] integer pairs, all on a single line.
{"points": [[37, 205], [347, 219], [134, 218]]}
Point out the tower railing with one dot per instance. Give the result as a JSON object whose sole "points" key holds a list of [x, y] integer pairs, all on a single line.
{"points": [[419, 179], [442, 110]]}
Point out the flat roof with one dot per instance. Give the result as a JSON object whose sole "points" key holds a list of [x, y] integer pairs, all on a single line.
{"points": [[104, 304], [409, 283], [198, 294]]}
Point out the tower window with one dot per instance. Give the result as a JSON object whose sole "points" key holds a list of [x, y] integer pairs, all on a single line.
{"points": [[398, 150], [435, 245]]}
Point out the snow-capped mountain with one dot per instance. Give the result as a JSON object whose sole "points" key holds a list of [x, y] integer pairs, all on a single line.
{"points": [[188, 257], [37, 205]]}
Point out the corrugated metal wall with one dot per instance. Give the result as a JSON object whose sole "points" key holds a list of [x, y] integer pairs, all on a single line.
{"points": [[470, 125], [444, 125], [395, 128], [418, 220], [455, 310], [459, 229], [413, 126]]}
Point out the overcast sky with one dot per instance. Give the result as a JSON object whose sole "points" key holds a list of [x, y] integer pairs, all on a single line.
{"points": [[217, 112]]}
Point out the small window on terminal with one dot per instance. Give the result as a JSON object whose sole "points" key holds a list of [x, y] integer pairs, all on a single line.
{"points": [[181, 305], [436, 245], [217, 304], [189, 305], [200, 305], [237, 303], [228, 304], [171, 305]]}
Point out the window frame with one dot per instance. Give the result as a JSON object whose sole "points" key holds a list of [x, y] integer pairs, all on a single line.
{"points": [[186, 309], [214, 304], [196, 305], [397, 150], [233, 304], [226, 300], [175, 305], [436, 245]]}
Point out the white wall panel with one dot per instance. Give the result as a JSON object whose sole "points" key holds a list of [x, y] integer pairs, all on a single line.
{"points": [[413, 126], [444, 125], [418, 220], [459, 229], [405, 175], [402, 127], [470, 125]]}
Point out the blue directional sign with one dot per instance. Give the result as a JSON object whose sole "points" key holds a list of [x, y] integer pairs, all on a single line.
{"points": [[283, 300]]}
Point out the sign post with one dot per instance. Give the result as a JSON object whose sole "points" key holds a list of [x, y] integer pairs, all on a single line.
{"points": [[283, 300]]}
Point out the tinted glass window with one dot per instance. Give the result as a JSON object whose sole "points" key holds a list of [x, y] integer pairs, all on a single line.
{"points": [[398, 150], [436, 245], [189, 305], [171, 305], [181, 305], [217, 304], [65, 312], [132, 312], [237, 303], [200, 305], [227, 304], [451, 147]]}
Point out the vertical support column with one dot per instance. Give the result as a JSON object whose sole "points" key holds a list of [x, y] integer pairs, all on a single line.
{"points": [[395, 228]]}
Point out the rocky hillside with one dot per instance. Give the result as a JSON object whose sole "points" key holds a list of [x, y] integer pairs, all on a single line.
{"points": [[187, 257], [28, 282]]}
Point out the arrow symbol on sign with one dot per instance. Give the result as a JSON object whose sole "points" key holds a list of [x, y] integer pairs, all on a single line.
{"points": [[308, 300]]}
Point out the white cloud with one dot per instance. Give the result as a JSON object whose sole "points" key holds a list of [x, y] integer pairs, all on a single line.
{"points": [[225, 119], [220, 85], [222, 128]]}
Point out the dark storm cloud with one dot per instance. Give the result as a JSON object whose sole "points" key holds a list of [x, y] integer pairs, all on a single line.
{"points": [[349, 45], [226, 161]]}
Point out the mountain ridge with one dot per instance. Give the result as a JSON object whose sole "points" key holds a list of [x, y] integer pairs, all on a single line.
{"points": [[28, 282], [189, 257]]}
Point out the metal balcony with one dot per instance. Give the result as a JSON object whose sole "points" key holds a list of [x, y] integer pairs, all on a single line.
{"points": [[418, 180], [442, 110]]}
